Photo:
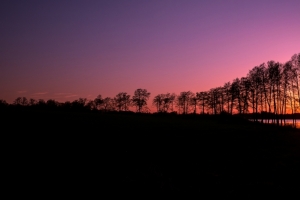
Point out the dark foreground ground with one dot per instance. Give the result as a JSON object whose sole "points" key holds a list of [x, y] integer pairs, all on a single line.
{"points": [[93, 153]]}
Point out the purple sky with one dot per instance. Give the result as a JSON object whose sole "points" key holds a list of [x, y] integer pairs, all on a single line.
{"points": [[69, 49]]}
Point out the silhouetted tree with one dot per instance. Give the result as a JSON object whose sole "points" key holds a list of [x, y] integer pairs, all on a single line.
{"points": [[295, 61], [41, 103], [79, 104], [67, 105], [286, 84], [183, 101], [245, 88], [108, 104], [140, 98], [91, 105], [158, 102], [164, 102], [255, 89], [194, 102], [220, 95], [98, 102], [3, 104], [168, 102], [236, 95], [52, 104], [202, 98], [212, 100], [227, 94], [32, 102], [22, 101], [122, 101]]}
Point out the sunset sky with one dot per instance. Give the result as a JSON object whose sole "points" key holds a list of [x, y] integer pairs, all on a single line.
{"points": [[64, 50]]}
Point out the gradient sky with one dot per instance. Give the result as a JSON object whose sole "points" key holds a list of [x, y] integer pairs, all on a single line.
{"points": [[69, 49]]}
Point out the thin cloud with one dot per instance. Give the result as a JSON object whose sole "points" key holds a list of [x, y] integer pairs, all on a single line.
{"points": [[62, 93], [74, 95], [40, 93], [21, 91]]}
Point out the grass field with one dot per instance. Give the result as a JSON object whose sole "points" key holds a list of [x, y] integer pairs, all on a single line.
{"points": [[216, 155]]}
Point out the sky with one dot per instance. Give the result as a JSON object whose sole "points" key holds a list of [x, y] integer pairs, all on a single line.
{"points": [[65, 50]]}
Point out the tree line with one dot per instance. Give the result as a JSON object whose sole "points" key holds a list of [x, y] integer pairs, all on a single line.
{"points": [[269, 91], [121, 102]]}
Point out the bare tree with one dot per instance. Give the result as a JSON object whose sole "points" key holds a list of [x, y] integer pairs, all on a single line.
{"points": [[3, 103], [91, 105], [227, 93], [202, 98], [122, 101], [245, 88], [98, 102], [168, 102], [32, 102], [236, 99], [158, 102], [108, 104], [212, 97], [183, 101], [194, 102], [79, 104], [140, 98], [164, 102], [22, 101]]}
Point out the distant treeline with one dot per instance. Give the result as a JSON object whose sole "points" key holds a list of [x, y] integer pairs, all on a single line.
{"points": [[270, 90]]}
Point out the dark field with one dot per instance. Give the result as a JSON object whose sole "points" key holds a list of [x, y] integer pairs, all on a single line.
{"points": [[95, 152]]}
